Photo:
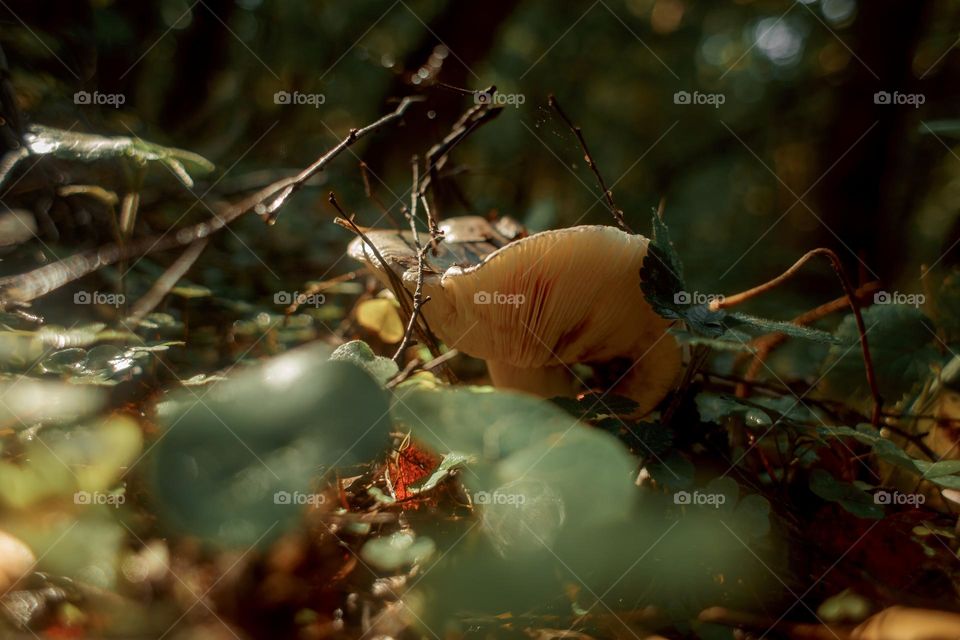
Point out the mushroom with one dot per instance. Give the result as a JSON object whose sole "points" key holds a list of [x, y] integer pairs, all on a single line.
{"points": [[535, 306]]}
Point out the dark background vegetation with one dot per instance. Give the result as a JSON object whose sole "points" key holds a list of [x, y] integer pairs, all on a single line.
{"points": [[799, 155]]}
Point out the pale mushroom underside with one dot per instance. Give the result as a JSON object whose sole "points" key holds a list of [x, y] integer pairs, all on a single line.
{"points": [[536, 306]]}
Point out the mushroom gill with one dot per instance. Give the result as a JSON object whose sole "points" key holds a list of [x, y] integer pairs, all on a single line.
{"points": [[534, 307]]}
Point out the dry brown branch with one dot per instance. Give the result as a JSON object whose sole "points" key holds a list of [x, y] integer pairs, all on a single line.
{"points": [[23, 288], [165, 282], [418, 300], [400, 292], [607, 193], [439, 154]]}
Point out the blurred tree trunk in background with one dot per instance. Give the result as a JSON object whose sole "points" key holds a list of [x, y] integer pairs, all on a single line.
{"points": [[863, 198], [203, 52], [470, 29]]}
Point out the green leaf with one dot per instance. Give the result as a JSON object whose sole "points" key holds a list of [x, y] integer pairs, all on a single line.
{"points": [[853, 499], [661, 275], [62, 460], [84, 546], [87, 147], [237, 460], [448, 464], [901, 342], [29, 401], [359, 353], [727, 341], [672, 470], [946, 302], [940, 127], [659, 283], [753, 515], [776, 326], [662, 284], [645, 439], [514, 437], [591, 406], [661, 240], [939, 469], [397, 550]]}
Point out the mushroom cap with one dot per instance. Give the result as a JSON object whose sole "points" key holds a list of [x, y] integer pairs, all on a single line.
{"points": [[553, 298]]}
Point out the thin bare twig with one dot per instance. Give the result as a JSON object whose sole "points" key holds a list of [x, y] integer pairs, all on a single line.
{"points": [[730, 301], [23, 288], [418, 300], [607, 193], [372, 195], [165, 282], [439, 154], [319, 287], [396, 285]]}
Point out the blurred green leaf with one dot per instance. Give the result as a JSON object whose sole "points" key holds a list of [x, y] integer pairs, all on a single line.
{"points": [[87, 147], [786, 328], [359, 353], [852, 499], [901, 344], [397, 550], [237, 460], [65, 459]]}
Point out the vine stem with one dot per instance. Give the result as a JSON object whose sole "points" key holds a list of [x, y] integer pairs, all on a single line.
{"points": [[766, 344], [829, 254]]}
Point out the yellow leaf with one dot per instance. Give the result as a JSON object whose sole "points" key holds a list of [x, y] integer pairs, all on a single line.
{"points": [[380, 316]]}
